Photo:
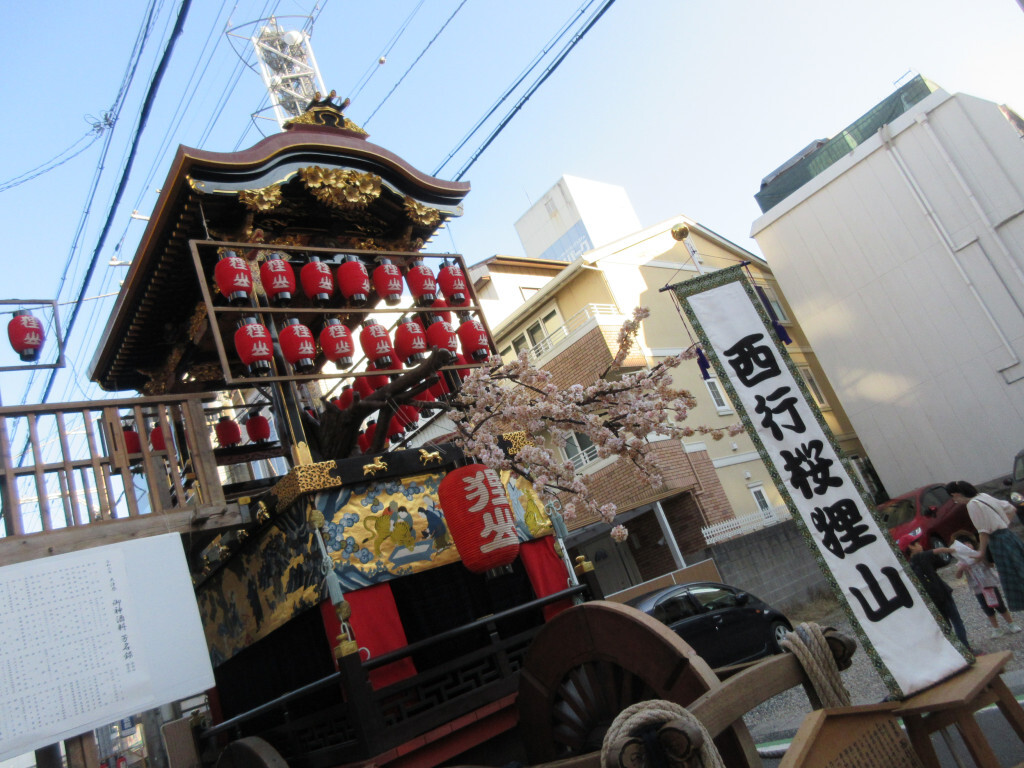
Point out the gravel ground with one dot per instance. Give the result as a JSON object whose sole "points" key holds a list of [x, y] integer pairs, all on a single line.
{"points": [[779, 717]]}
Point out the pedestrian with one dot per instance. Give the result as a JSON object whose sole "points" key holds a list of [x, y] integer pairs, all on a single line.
{"points": [[924, 563], [991, 518], [983, 580]]}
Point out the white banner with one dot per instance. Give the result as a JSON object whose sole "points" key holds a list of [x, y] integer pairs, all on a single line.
{"points": [[907, 642], [90, 637]]}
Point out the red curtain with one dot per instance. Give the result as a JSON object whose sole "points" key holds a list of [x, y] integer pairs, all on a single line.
{"points": [[546, 571], [378, 629]]}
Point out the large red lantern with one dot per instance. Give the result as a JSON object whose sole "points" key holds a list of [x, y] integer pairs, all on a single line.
{"points": [[26, 335], [336, 342], [132, 442], [363, 441], [254, 347], [453, 285], [344, 398], [257, 427], [233, 278], [157, 439], [396, 427], [278, 279], [463, 372], [475, 344], [363, 386], [354, 281], [440, 389], [479, 517], [317, 281], [376, 343], [387, 281], [410, 341], [298, 346], [228, 432], [442, 336], [422, 284], [408, 416]]}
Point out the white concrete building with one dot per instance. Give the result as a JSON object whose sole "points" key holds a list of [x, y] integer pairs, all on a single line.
{"points": [[903, 260]]}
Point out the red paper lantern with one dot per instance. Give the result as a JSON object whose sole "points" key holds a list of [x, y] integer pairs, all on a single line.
{"points": [[278, 279], [367, 437], [422, 285], [132, 442], [408, 415], [410, 341], [395, 427], [363, 442], [317, 280], [257, 427], [26, 335], [298, 346], [387, 281], [377, 344], [479, 517], [345, 398], [157, 439], [463, 372], [453, 285], [475, 344], [336, 342], [440, 389], [233, 278], [363, 386], [354, 280], [228, 432], [254, 347], [438, 310], [442, 336]]}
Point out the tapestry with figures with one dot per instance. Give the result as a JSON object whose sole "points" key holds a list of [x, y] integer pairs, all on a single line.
{"points": [[383, 529], [266, 584]]}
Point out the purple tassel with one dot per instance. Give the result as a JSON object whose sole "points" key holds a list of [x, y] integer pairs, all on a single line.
{"points": [[779, 330], [703, 364]]}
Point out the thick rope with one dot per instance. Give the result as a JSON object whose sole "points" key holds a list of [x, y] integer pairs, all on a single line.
{"points": [[641, 721], [811, 649]]}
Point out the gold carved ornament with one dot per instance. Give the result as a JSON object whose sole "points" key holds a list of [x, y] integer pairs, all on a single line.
{"points": [[420, 214], [341, 188], [261, 200]]}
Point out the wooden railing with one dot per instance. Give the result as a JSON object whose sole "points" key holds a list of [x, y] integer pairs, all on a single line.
{"points": [[66, 467]]}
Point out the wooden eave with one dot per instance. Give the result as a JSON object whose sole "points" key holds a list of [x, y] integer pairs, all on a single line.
{"points": [[160, 291]]}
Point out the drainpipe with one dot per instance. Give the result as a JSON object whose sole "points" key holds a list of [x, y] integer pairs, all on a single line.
{"points": [[670, 538], [885, 134]]}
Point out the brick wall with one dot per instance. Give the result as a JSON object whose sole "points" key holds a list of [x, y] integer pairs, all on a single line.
{"points": [[582, 362], [713, 501]]}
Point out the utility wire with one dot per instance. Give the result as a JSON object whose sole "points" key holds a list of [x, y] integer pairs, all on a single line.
{"points": [[372, 69], [536, 85], [414, 63]]}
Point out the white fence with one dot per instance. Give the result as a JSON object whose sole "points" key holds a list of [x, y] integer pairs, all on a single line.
{"points": [[744, 524]]}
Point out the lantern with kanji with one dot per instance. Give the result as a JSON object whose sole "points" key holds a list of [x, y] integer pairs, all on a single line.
{"points": [[233, 278], [25, 333], [475, 344], [257, 427], [254, 347], [228, 432], [422, 284], [410, 341], [278, 279], [376, 343], [298, 346], [442, 336], [453, 284], [387, 281], [354, 281], [336, 342], [479, 517], [317, 281]]}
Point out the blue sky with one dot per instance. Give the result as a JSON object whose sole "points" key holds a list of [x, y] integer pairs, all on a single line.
{"points": [[685, 104]]}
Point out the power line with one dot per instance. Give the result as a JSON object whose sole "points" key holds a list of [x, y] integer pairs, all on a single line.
{"points": [[536, 85], [372, 69]]}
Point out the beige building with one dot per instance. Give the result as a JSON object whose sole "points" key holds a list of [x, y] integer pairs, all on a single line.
{"points": [[567, 316]]}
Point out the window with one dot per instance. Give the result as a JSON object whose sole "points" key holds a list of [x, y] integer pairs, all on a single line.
{"points": [[773, 299], [717, 397], [812, 386], [757, 491], [580, 450], [714, 598], [675, 608]]}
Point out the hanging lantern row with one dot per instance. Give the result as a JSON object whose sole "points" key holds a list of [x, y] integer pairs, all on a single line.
{"points": [[133, 442], [351, 279], [26, 335], [412, 343], [257, 429]]}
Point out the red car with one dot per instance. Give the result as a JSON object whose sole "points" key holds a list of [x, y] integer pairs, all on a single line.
{"points": [[929, 511]]}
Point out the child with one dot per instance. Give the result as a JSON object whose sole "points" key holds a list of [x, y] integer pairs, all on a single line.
{"points": [[983, 580], [924, 562]]}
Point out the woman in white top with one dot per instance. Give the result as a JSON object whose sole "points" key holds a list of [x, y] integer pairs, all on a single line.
{"points": [[991, 518]]}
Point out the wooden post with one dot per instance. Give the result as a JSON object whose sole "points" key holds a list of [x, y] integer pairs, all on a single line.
{"points": [[362, 707], [81, 751]]}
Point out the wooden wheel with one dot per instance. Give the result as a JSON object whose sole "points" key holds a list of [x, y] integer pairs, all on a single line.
{"points": [[250, 752], [591, 662]]}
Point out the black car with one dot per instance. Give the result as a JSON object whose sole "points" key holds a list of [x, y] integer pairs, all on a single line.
{"points": [[725, 625]]}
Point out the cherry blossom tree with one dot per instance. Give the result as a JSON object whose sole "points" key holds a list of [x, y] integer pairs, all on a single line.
{"points": [[619, 413]]}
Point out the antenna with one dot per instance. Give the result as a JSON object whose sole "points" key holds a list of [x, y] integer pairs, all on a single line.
{"points": [[287, 66]]}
